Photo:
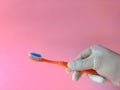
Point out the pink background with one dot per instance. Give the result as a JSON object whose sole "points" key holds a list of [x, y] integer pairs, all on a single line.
{"points": [[59, 29]]}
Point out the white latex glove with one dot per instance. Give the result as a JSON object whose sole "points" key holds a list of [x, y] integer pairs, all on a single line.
{"points": [[104, 61]]}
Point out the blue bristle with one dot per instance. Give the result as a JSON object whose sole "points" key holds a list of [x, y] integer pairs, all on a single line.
{"points": [[35, 55]]}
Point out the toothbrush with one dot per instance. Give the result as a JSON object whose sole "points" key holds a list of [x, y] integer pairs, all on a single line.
{"points": [[38, 57]]}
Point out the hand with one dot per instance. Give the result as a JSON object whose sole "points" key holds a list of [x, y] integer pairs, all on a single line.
{"points": [[104, 61]]}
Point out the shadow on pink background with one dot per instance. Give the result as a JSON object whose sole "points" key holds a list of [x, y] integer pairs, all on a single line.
{"points": [[59, 29]]}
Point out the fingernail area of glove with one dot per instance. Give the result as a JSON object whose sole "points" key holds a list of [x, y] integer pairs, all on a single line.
{"points": [[72, 65]]}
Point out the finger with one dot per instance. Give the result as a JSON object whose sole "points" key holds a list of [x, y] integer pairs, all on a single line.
{"points": [[76, 75], [96, 78], [81, 64], [86, 53]]}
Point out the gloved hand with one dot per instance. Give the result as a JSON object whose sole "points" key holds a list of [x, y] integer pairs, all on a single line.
{"points": [[104, 61]]}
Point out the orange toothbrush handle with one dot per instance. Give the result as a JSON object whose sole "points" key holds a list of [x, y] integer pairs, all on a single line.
{"points": [[90, 71], [63, 64]]}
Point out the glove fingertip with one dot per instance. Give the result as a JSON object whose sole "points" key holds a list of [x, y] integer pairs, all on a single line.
{"points": [[76, 75], [96, 78], [72, 65]]}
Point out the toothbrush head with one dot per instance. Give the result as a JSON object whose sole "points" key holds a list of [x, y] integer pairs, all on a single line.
{"points": [[35, 56]]}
